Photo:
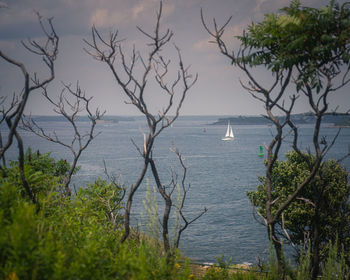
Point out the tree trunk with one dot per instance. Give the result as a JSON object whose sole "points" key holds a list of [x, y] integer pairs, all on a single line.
{"points": [[278, 250], [167, 209], [315, 262], [166, 215], [24, 180], [129, 203]]}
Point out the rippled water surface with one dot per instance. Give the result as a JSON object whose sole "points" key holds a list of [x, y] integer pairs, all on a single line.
{"points": [[220, 173]]}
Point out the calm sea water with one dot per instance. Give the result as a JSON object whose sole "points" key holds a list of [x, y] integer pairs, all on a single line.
{"points": [[220, 174]]}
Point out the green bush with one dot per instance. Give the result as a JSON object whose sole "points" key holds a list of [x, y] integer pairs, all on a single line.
{"points": [[335, 266], [71, 237], [42, 172], [323, 203]]}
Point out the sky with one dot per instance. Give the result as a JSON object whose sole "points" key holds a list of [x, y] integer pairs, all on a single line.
{"points": [[217, 91]]}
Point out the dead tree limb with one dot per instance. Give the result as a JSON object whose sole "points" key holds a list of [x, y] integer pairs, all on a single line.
{"points": [[180, 207], [79, 141], [48, 52], [273, 97], [5, 111], [134, 85], [112, 214]]}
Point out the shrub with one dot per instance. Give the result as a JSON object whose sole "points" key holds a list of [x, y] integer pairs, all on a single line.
{"points": [[323, 203], [71, 237]]}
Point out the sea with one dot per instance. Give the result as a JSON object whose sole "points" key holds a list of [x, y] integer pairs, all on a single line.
{"points": [[219, 174]]}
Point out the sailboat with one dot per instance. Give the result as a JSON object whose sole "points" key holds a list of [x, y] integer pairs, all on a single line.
{"points": [[229, 133]]}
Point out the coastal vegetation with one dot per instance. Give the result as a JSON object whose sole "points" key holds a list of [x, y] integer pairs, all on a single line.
{"points": [[79, 237], [71, 237], [50, 230], [306, 53], [319, 217]]}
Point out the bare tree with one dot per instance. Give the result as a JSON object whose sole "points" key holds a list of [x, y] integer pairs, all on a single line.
{"points": [[315, 82], [180, 207], [80, 141], [4, 113], [113, 213], [110, 51], [48, 52]]}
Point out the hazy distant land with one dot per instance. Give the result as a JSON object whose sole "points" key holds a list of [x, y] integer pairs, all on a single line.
{"points": [[342, 119], [305, 118]]}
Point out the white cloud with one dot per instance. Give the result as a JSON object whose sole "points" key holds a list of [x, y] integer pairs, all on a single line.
{"points": [[113, 14], [228, 37], [20, 16], [204, 45], [146, 9], [105, 18], [137, 9], [73, 18]]}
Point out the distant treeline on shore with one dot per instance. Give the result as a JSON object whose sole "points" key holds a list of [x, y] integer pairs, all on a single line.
{"points": [[337, 119], [107, 119]]}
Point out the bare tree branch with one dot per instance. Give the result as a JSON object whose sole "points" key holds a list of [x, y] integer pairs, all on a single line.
{"points": [[48, 52], [183, 199], [79, 141], [134, 85], [272, 97]]}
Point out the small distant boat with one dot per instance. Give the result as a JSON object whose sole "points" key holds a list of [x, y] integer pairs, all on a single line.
{"points": [[229, 133], [261, 151]]}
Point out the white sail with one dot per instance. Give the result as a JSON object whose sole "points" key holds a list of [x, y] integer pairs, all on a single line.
{"points": [[229, 133]]}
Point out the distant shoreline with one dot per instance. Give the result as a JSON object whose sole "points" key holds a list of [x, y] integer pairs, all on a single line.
{"points": [[337, 120], [333, 120]]}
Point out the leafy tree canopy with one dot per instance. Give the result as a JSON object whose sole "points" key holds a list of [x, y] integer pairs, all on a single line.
{"points": [[328, 194], [317, 41]]}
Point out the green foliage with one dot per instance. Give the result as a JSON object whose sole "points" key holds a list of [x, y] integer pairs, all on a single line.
{"points": [[45, 163], [335, 267], [272, 266], [324, 199], [220, 271], [225, 270], [72, 237], [310, 38], [304, 268], [42, 172], [103, 197], [151, 218]]}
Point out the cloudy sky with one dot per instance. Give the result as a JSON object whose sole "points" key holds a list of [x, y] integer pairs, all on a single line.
{"points": [[217, 91]]}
